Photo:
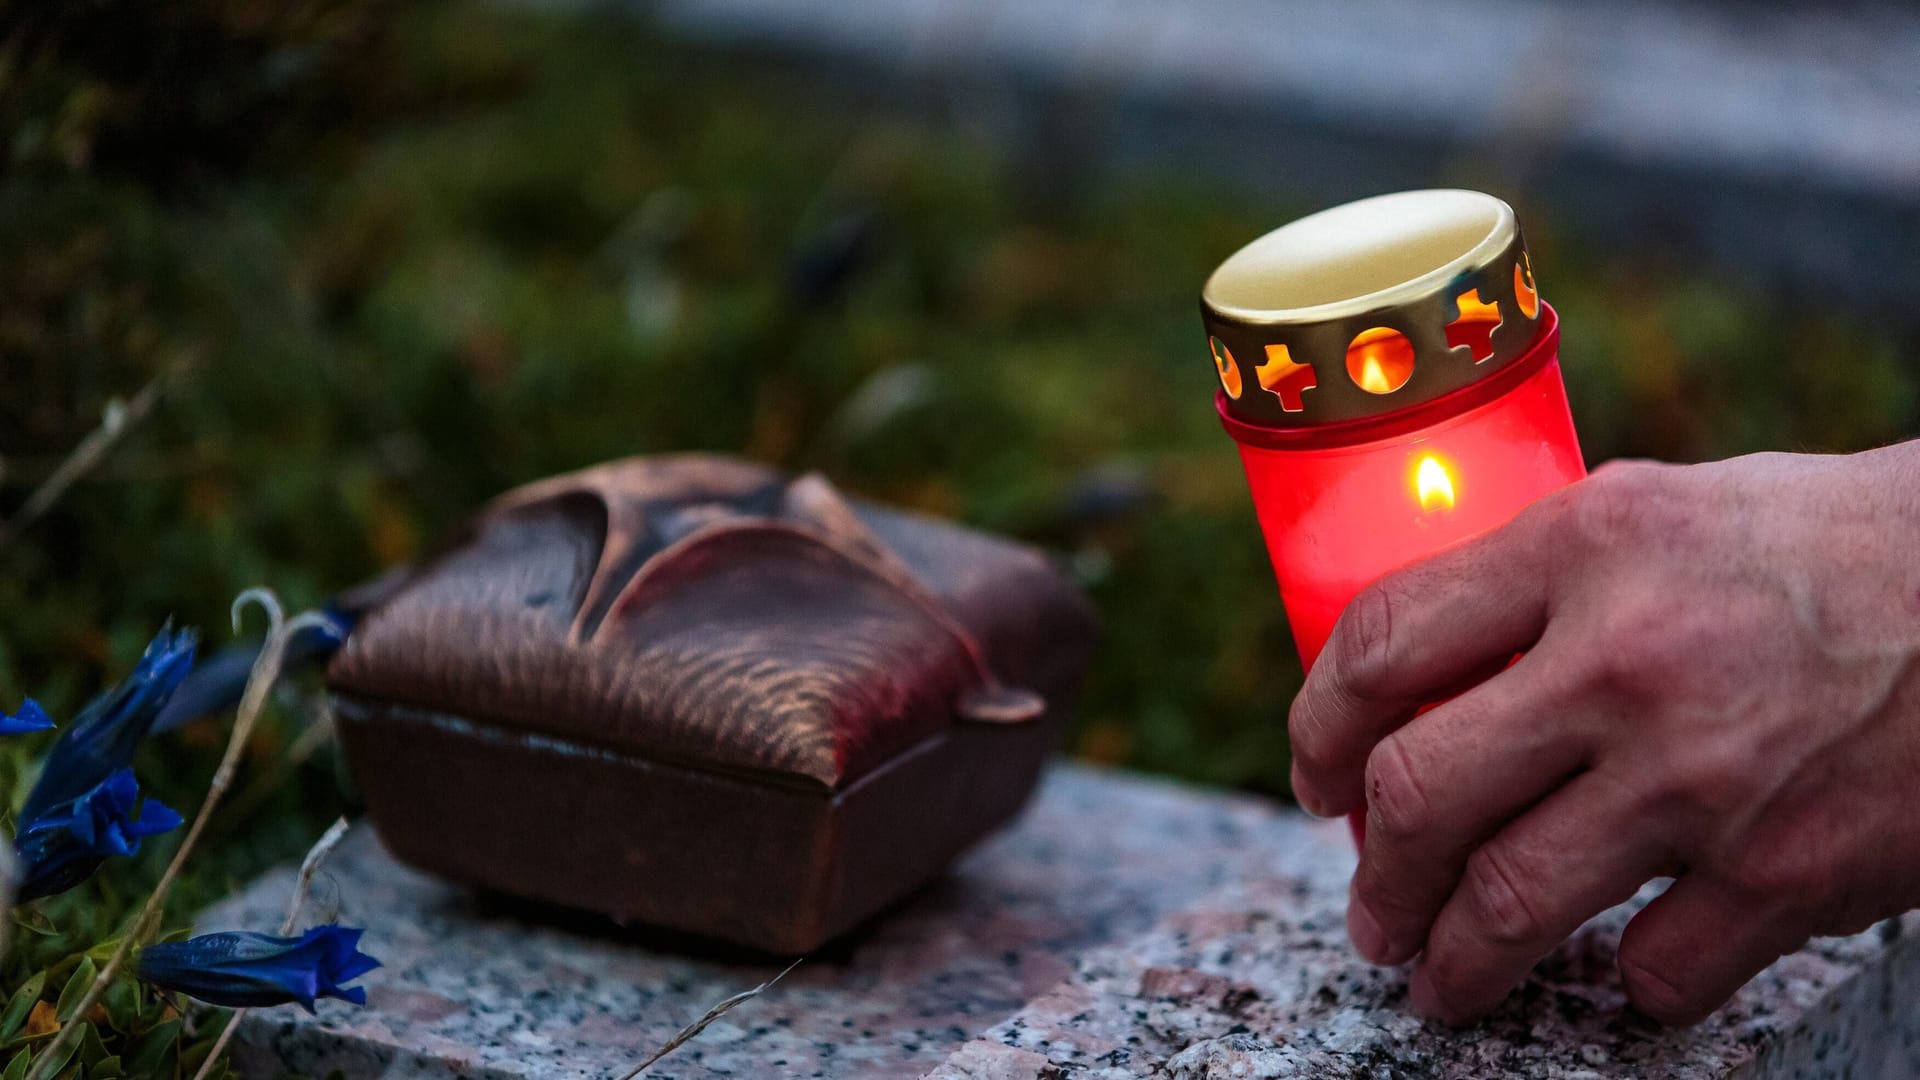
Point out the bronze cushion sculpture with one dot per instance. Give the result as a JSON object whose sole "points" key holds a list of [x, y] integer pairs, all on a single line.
{"points": [[688, 692]]}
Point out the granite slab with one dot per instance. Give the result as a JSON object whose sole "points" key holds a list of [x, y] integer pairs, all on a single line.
{"points": [[1124, 927]]}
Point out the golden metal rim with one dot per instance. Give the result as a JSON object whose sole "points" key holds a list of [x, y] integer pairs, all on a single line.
{"points": [[1501, 229], [1406, 266]]}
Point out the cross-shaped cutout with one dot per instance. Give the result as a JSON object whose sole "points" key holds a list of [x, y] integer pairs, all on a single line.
{"points": [[1284, 379], [1475, 313]]}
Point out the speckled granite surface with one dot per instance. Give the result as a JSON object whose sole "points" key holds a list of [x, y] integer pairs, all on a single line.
{"points": [[1124, 928], [1258, 982]]}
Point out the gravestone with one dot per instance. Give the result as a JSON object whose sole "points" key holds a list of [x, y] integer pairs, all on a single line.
{"points": [[1123, 928]]}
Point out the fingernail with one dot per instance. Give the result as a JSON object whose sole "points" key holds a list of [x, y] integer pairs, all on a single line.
{"points": [[1364, 929], [1420, 991]]}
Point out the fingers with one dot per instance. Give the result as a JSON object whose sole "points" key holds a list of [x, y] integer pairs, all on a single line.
{"points": [[1411, 638], [1578, 853], [1699, 942], [1440, 786]]}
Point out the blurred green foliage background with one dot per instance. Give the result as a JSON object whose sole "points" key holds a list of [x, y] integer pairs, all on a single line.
{"points": [[392, 260], [403, 259]]}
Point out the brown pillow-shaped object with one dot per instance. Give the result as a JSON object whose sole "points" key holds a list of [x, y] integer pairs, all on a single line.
{"points": [[688, 692]]}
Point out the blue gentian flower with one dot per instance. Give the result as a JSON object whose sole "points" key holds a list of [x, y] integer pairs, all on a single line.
{"points": [[216, 684], [64, 846], [240, 969], [31, 717], [102, 739]]}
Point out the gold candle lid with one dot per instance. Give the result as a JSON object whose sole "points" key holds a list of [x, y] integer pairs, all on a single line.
{"points": [[1346, 314]]}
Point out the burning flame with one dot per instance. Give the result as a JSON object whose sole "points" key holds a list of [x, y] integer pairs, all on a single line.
{"points": [[1380, 360], [1435, 485], [1373, 377]]}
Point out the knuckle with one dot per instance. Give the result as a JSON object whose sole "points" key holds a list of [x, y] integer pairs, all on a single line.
{"points": [[1363, 639], [1771, 876], [1497, 895], [1382, 892], [1630, 501], [1707, 780], [1635, 646], [1397, 803]]}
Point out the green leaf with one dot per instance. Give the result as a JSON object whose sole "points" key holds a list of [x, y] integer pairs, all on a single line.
{"points": [[76, 988], [93, 1050], [107, 1068], [21, 1003], [156, 1007], [24, 1039], [34, 921], [155, 1049], [122, 1001], [196, 1052], [72, 1048], [17, 1068]]}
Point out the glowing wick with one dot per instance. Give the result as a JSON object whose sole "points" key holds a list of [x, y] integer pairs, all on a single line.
{"points": [[1373, 378], [1434, 485]]}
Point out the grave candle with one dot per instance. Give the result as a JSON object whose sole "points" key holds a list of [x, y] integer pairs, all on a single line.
{"points": [[1392, 378]]}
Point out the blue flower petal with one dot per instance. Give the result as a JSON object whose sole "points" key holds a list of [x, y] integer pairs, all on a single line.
{"points": [[103, 737], [64, 846], [31, 717], [217, 683], [156, 817], [240, 969]]}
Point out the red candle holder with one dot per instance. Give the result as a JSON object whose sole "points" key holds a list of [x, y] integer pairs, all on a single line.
{"points": [[1392, 378]]}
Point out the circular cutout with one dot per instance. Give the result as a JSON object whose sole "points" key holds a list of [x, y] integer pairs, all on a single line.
{"points": [[1523, 289], [1380, 360], [1229, 371]]}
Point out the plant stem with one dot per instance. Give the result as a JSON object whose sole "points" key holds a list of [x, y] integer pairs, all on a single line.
{"points": [[266, 669], [309, 866], [119, 419], [700, 1025]]}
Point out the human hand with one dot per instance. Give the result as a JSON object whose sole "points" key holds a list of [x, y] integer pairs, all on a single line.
{"points": [[1721, 684]]}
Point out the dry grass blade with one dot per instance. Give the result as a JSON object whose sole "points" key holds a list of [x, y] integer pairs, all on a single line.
{"points": [[120, 418], [309, 866], [700, 1025], [266, 670], [9, 885], [316, 736]]}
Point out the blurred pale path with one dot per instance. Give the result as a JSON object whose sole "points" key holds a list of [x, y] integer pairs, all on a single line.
{"points": [[1809, 114]]}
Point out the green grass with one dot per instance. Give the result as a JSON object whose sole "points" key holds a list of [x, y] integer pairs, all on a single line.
{"points": [[535, 242]]}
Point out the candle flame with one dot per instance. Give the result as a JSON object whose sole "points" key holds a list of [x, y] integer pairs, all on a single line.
{"points": [[1434, 484], [1373, 377]]}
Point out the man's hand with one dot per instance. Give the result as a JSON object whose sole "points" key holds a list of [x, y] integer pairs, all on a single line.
{"points": [[1720, 683]]}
